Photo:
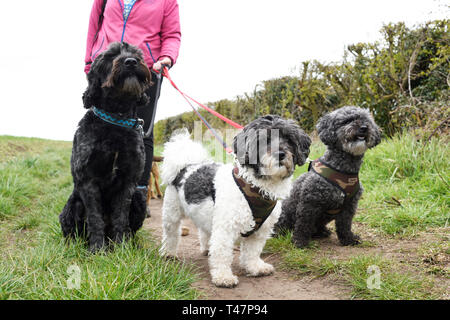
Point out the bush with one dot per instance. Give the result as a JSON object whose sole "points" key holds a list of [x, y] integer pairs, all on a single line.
{"points": [[403, 79]]}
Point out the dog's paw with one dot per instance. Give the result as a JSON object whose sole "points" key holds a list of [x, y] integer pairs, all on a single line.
{"points": [[301, 243], [96, 247], [259, 269], [168, 254], [352, 240], [228, 281], [147, 212], [323, 233], [120, 237], [172, 258]]}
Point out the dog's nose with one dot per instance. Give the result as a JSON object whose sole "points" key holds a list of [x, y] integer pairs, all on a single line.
{"points": [[280, 154], [130, 62], [363, 129]]}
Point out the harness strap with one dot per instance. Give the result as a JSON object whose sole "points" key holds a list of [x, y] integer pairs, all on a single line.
{"points": [[260, 206], [346, 182]]}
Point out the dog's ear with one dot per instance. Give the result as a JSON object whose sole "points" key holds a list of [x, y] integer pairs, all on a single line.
{"points": [[374, 134], [323, 126], [303, 142], [245, 146], [146, 70], [298, 138], [93, 93], [240, 147]]}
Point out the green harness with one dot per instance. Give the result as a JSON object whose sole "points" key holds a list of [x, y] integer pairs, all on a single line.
{"points": [[260, 205], [347, 182]]}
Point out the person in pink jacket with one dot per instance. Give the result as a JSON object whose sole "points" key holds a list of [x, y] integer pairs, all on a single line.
{"points": [[151, 25]]}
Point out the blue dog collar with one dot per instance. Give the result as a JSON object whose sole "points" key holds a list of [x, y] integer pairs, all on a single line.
{"points": [[135, 124]]}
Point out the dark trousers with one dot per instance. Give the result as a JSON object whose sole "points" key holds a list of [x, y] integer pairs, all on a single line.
{"points": [[145, 113]]}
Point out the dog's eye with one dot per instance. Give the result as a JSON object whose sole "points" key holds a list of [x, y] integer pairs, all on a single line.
{"points": [[347, 121]]}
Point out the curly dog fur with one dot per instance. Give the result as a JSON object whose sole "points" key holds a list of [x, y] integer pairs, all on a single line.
{"points": [[347, 132], [107, 160], [207, 193]]}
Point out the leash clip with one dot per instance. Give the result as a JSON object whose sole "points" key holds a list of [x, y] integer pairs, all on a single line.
{"points": [[139, 126]]}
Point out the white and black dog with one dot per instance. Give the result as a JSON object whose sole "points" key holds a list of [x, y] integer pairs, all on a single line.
{"points": [[231, 203]]}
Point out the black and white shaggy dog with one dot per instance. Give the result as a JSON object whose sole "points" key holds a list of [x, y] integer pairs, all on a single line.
{"points": [[108, 151], [330, 190], [231, 203]]}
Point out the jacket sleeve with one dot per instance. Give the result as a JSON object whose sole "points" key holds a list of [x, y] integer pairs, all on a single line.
{"points": [[170, 31], [92, 30]]}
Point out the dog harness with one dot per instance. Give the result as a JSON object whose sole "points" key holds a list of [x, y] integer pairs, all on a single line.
{"points": [[260, 205], [135, 124], [348, 183]]}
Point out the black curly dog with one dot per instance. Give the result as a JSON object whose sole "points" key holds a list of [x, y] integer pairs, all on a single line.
{"points": [[315, 201], [107, 158]]}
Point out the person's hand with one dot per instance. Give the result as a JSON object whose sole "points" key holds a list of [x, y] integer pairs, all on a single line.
{"points": [[162, 61]]}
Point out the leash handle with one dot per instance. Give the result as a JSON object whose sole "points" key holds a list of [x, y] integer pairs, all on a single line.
{"points": [[163, 71]]}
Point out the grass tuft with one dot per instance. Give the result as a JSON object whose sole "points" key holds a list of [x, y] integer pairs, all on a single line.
{"points": [[37, 262]]}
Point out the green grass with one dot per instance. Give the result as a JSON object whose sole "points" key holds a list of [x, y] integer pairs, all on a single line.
{"points": [[406, 193], [11, 147], [395, 284], [34, 186], [317, 149], [406, 185], [396, 281], [130, 271], [158, 149]]}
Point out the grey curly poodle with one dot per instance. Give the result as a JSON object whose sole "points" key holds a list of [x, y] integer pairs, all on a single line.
{"points": [[330, 190]]}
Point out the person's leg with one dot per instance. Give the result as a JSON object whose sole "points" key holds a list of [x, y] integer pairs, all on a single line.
{"points": [[145, 113], [148, 145]]}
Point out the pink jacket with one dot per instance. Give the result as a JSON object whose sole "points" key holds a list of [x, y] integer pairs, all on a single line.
{"points": [[152, 25]]}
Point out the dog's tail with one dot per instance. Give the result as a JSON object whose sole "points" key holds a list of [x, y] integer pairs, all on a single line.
{"points": [[179, 152]]}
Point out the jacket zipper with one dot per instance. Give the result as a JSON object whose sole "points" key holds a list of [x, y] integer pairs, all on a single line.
{"points": [[150, 51], [125, 22], [95, 53]]}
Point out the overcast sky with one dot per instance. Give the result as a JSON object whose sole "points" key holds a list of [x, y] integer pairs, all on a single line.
{"points": [[227, 48]]}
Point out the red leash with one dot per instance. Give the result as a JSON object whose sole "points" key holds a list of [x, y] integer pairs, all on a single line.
{"points": [[218, 115], [165, 73]]}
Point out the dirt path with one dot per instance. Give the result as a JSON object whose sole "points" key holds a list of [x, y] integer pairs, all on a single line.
{"points": [[279, 286]]}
